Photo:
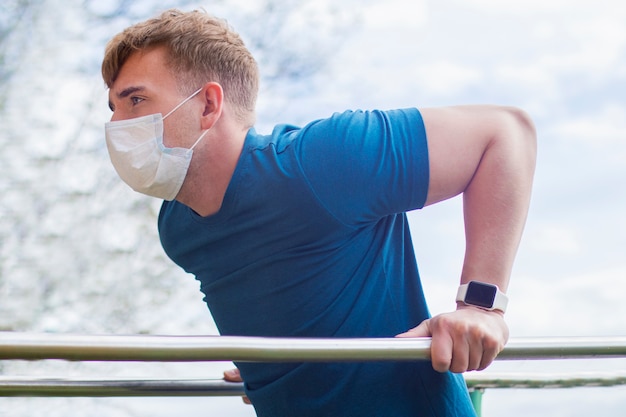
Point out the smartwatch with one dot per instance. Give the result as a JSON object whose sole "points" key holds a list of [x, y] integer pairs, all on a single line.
{"points": [[482, 295]]}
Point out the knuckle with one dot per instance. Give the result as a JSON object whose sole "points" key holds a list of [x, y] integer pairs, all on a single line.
{"points": [[492, 345], [449, 324], [441, 366]]}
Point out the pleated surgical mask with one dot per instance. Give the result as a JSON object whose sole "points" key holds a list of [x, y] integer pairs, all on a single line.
{"points": [[142, 160]]}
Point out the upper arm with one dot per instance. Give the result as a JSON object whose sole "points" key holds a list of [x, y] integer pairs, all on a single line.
{"points": [[459, 137]]}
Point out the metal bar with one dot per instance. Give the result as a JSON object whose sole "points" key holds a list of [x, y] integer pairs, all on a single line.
{"points": [[51, 387], [54, 387], [565, 348], [529, 381], [32, 346], [476, 395]]}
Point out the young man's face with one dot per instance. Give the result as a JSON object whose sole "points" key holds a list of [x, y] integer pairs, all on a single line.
{"points": [[145, 85]]}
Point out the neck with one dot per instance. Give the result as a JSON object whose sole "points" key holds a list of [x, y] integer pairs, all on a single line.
{"points": [[211, 170]]}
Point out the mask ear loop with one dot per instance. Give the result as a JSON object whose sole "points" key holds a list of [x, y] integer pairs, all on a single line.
{"points": [[179, 105], [183, 102], [199, 139]]}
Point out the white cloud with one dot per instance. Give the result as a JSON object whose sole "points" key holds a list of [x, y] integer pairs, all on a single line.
{"points": [[565, 8], [529, 77], [394, 13], [446, 77], [605, 128], [555, 239], [569, 305], [587, 50], [594, 45]]}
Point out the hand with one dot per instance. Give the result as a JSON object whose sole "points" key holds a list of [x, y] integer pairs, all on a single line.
{"points": [[233, 375], [467, 339]]}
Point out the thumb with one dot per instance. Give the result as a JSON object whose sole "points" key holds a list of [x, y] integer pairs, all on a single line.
{"points": [[422, 330]]}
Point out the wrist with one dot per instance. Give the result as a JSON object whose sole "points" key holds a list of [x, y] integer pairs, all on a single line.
{"points": [[462, 306], [482, 295]]}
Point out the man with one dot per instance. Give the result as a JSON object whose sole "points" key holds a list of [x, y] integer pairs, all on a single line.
{"points": [[303, 233]]}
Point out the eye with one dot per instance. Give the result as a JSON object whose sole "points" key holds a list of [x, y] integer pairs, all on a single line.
{"points": [[135, 100]]}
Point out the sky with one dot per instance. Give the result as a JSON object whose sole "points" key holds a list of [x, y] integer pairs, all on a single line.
{"points": [[564, 62]]}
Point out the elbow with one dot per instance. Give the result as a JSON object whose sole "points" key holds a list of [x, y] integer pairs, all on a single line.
{"points": [[523, 133], [525, 125]]}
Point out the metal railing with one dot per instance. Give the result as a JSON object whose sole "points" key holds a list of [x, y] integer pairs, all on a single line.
{"points": [[62, 387], [30, 346]]}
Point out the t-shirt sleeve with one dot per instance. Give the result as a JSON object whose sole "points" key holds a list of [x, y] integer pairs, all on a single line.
{"points": [[367, 165]]}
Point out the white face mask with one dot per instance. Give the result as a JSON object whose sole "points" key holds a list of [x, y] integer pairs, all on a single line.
{"points": [[138, 155]]}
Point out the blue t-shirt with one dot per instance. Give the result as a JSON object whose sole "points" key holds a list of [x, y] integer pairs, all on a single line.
{"points": [[312, 240]]}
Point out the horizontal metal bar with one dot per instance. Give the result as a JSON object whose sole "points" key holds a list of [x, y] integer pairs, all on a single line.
{"points": [[51, 387], [565, 348], [48, 387], [596, 379], [31, 346]]}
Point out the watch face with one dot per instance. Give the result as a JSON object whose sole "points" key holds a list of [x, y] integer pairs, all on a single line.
{"points": [[481, 295]]}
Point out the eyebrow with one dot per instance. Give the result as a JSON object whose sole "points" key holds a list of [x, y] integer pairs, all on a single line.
{"points": [[125, 93]]}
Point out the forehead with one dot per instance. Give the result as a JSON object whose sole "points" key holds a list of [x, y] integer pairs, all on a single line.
{"points": [[147, 69]]}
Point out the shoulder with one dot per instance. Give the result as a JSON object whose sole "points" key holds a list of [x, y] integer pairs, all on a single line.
{"points": [[349, 129], [364, 119]]}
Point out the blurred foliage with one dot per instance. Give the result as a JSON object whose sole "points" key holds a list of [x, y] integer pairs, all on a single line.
{"points": [[79, 251], [16, 17]]}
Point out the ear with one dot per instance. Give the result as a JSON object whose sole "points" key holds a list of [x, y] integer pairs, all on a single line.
{"points": [[213, 95]]}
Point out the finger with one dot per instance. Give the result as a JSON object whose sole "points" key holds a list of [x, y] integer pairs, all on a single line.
{"points": [[491, 349], [441, 348], [479, 348], [232, 375], [461, 351], [475, 354]]}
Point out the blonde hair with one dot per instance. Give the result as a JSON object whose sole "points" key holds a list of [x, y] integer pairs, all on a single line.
{"points": [[201, 49]]}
